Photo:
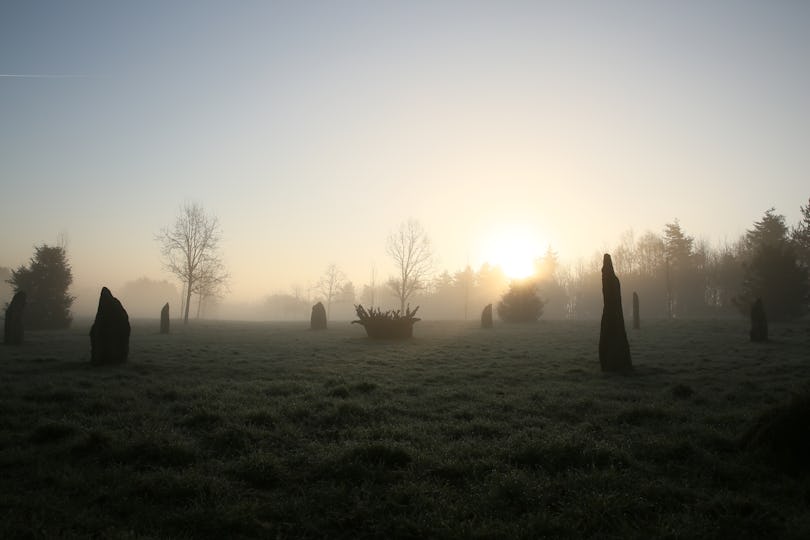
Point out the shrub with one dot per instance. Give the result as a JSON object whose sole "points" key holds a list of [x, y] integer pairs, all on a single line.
{"points": [[520, 303]]}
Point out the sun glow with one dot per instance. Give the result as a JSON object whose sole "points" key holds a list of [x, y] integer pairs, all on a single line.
{"points": [[514, 250]]}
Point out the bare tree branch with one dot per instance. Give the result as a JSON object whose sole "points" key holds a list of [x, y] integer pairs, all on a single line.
{"points": [[189, 251], [331, 284], [410, 249]]}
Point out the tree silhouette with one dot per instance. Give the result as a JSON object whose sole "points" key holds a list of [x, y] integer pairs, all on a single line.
{"points": [[801, 236], [189, 251], [773, 271], [548, 281], [520, 303], [45, 281], [410, 249], [331, 284], [679, 256]]}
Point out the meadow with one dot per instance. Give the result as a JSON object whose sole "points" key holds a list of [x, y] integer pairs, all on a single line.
{"points": [[270, 430]]}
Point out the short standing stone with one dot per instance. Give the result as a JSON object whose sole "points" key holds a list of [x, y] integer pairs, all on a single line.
{"points": [[13, 326], [109, 335], [486, 317], [164, 319], [614, 350], [759, 322], [318, 319], [636, 319]]}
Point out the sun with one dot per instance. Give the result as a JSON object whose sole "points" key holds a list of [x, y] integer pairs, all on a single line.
{"points": [[514, 249]]}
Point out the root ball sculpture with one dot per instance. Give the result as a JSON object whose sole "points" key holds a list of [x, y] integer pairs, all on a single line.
{"points": [[388, 324]]}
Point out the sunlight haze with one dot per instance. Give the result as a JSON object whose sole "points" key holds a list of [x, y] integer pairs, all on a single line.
{"points": [[313, 129]]}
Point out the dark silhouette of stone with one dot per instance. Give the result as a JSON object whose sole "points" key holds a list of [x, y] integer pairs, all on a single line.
{"points": [[614, 350], [164, 319], [486, 317], [636, 319], [109, 335], [318, 319], [13, 327], [759, 322]]}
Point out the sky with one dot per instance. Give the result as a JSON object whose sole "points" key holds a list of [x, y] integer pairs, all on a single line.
{"points": [[313, 129]]}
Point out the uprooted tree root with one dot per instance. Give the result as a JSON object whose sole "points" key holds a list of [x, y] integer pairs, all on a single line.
{"points": [[387, 324]]}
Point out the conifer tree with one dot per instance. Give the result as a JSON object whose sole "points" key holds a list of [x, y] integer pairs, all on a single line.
{"points": [[45, 281]]}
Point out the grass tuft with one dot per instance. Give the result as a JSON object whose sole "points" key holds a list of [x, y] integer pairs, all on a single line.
{"points": [[682, 391], [154, 453], [781, 435], [644, 416], [94, 443], [51, 432], [260, 470]]}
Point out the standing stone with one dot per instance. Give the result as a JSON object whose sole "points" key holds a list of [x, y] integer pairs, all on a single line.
{"points": [[109, 335], [614, 350], [636, 319], [13, 327], [164, 319], [486, 317], [759, 323], [318, 319]]}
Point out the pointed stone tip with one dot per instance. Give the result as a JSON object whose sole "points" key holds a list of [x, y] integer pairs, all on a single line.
{"points": [[105, 291], [607, 263]]}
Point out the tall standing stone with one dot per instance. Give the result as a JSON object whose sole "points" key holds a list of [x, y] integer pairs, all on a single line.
{"points": [[318, 319], [759, 322], [109, 335], [486, 317], [636, 318], [164, 319], [614, 350], [13, 327]]}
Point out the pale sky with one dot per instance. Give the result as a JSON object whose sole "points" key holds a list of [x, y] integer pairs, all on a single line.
{"points": [[312, 129]]}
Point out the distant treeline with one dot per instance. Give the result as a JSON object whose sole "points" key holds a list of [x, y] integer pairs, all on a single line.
{"points": [[675, 276]]}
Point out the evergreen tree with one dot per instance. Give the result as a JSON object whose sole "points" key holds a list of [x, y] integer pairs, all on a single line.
{"points": [[773, 271], [801, 236], [548, 282], [684, 291], [45, 282], [520, 303]]}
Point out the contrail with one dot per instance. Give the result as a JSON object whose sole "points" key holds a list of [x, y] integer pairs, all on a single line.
{"points": [[40, 76]]}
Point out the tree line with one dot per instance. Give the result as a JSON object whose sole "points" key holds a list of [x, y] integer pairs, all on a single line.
{"points": [[675, 275]]}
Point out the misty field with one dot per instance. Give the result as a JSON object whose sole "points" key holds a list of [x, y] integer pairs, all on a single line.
{"points": [[228, 430]]}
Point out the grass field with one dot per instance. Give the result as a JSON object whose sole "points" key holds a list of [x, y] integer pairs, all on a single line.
{"points": [[228, 430]]}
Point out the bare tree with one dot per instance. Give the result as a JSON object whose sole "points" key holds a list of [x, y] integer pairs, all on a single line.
{"points": [[410, 248], [212, 284], [330, 284], [373, 283], [189, 251]]}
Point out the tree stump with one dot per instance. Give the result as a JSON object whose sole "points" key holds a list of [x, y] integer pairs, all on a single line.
{"points": [[109, 335], [164, 319], [317, 320], [759, 322], [614, 350], [13, 327], [486, 317], [636, 319]]}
